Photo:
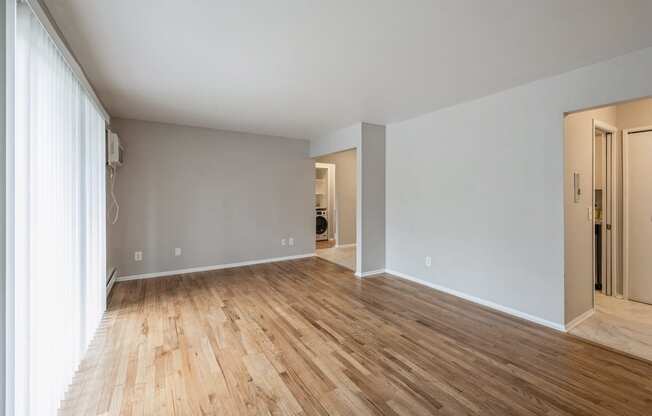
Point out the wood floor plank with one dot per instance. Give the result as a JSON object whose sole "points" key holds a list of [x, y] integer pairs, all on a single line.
{"points": [[306, 337]]}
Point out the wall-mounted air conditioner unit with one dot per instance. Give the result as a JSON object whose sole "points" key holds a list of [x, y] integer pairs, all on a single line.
{"points": [[114, 151]]}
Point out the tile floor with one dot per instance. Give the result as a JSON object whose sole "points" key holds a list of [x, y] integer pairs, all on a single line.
{"points": [[619, 324], [344, 256]]}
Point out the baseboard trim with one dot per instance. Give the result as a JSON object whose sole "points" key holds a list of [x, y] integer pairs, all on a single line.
{"points": [[370, 273], [583, 317], [480, 301], [345, 245], [209, 268]]}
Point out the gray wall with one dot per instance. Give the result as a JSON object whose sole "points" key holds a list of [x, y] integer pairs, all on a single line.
{"points": [[345, 188], [372, 157], [479, 187], [222, 197]]}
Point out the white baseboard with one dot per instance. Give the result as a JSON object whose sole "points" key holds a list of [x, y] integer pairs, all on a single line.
{"points": [[572, 324], [345, 245], [208, 268], [113, 277], [483, 302], [370, 273]]}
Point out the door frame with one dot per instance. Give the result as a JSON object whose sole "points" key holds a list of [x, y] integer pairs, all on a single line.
{"points": [[626, 133], [607, 128], [333, 212]]}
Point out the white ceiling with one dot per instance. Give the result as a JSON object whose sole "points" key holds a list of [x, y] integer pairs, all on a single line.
{"points": [[299, 68]]}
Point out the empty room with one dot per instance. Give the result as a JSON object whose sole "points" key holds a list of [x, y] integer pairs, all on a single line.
{"points": [[427, 207]]}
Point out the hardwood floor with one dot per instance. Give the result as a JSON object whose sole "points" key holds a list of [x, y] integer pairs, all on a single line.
{"points": [[307, 337]]}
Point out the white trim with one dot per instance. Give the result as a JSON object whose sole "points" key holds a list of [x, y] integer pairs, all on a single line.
{"points": [[370, 273], [583, 317], [344, 245], [43, 16], [209, 268], [113, 277], [483, 302]]}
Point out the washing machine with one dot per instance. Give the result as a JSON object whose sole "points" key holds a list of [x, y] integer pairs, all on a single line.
{"points": [[321, 222]]}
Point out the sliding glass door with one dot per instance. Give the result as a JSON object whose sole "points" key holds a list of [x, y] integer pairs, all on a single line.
{"points": [[57, 238]]}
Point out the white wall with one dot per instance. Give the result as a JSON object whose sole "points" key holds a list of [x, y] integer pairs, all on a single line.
{"points": [[479, 187], [222, 197]]}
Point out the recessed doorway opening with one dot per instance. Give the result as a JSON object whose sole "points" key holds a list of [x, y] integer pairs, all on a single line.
{"points": [[608, 230], [336, 208]]}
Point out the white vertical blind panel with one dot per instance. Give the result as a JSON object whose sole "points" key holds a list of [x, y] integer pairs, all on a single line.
{"points": [[59, 232]]}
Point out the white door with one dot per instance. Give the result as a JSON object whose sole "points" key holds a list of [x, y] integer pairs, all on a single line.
{"points": [[638, 211]]}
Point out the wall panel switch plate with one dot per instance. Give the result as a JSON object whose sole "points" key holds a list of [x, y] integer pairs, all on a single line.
{"points": [[428, 261], [138, 255], [284, 242], [291, 241], [177, 251]]}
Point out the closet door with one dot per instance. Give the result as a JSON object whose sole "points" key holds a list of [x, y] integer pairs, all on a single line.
{"points": [[638, 215]]}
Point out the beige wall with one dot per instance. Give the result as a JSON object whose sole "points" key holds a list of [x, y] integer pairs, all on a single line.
{"points": [[635, 114], [578, 230], [345, 187]]}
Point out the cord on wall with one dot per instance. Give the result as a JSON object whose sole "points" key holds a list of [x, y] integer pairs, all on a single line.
{"points": [[113, 172]]}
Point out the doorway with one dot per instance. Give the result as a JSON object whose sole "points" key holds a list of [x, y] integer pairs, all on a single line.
{"points": [[336, 208], [608, 231], [605, 203]]}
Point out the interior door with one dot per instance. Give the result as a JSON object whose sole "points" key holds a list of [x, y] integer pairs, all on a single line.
{"points": [[638, 211]]}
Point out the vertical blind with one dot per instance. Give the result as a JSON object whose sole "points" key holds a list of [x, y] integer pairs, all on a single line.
{"points": [[58, 204]]}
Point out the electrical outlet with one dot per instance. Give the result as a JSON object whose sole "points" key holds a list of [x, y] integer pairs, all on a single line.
{"points": [[428, 261], [138, 255], [177, 251], [284, 242], [291, 241]]}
